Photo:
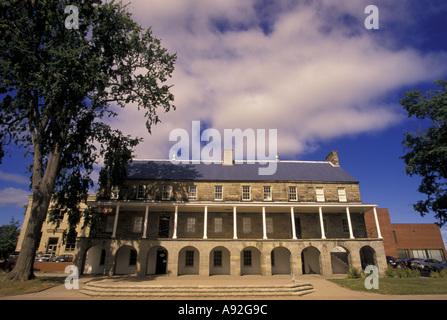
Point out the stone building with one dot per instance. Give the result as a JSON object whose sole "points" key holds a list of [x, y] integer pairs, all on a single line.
{"points": [[224, 218]]}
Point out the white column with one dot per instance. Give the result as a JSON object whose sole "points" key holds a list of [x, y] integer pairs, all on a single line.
{"points": [[115, 224], [234, 223], [174, 236], [264, 224], [292, 217], [205, 223], [146, 215], [323, 235], [348, 215], [379, 234]]}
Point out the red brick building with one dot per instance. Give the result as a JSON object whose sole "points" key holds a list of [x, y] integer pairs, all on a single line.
{"points": [[406, 240]]}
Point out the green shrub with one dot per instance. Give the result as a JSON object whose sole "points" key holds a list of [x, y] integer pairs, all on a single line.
{"points": [[439, 274], [402, 273], [354, 273]]}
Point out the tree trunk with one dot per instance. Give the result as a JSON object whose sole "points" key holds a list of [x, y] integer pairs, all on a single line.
{"points": [[42, 193]]}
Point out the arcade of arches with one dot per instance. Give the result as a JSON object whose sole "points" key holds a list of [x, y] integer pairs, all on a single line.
{"points": [[325, 257]]}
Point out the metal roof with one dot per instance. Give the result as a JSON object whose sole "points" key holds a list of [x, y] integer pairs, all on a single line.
{"points": [[285, 171]]}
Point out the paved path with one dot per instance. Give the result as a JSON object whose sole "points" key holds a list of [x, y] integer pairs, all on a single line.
{"points": [[324, 290]]}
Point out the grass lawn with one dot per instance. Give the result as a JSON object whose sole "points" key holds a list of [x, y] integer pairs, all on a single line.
{"points": [[38, 284], [398, 286]]}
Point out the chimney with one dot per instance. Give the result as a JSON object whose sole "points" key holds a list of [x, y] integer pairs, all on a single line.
{"points": [[227, 157], [333, 158]]}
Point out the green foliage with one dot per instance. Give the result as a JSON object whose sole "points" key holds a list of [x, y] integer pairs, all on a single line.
{"points": [[59, 86], [354, 273], [8, 238], [439, 274], [402, 272], [427, 148]]}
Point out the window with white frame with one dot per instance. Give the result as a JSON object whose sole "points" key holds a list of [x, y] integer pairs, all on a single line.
{"points": [[137, 224], [320, 194], [218, 193], [191, 225], [246, 193], [267, 193], [293, 193], [167, 193], [141, 190], [246, 224], [192, 193], [342, 195], [269, 226], [114, 193], [218, 225]]}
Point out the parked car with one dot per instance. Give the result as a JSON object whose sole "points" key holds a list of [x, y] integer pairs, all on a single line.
{"points": [[397, 263], [440, 266], [44, 258], [64, 258], [13, 257], [390, 259], [424, 264], [407, 262]]}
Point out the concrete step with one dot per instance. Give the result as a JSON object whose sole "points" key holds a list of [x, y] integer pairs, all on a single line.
{"points": [[107, 289]]}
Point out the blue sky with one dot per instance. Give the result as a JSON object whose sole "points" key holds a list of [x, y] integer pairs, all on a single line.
{"points": [[309, 69]]}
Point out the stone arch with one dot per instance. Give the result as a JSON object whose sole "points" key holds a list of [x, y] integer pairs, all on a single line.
{"points": [[157, 260], [280, 257], [250, 261], [126, 260], [220, 261], [367, 256], [340, 257], [311, 261], [94, 260], [188, 260]]}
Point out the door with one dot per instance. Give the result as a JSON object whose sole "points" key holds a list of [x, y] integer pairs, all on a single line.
{"points": [[163, 227], [162, 261]]}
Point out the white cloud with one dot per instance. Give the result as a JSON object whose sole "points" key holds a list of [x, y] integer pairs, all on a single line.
{"points": [[312, 77], [13, 197], [17, 178]]}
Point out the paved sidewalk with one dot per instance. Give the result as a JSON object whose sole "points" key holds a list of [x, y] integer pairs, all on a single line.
{"points": [[324, 290]]}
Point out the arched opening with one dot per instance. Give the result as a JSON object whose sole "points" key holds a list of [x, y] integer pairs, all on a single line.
{"points": [[94, 260], [280, 257], [310, 258], [188, 261], [250, 261], [367, 256], [339, 260], [219, 261], [126, 260], [157, 260]]}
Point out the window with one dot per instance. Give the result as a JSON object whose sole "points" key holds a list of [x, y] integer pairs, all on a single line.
{"points": [[267, 193], [320, 194], [269, 222], [247, 258], [141, 191], [246, 224], [218, 225], [345, 225], [191, 225], [293, 194], [342, 195], [167, 193], [272, 257], [137, 224], [110, 221], [298, 228], [114, 193], [189, 258], [192, 193], [133, 257], [246, 193], [218, 258], [218, 193]]}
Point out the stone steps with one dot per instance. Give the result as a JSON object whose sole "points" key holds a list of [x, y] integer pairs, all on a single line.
{"points": [[107, 289]]}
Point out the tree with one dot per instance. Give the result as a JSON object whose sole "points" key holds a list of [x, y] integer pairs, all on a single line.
{"points": [[59, 84], [427, 148], [8, 237]]}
